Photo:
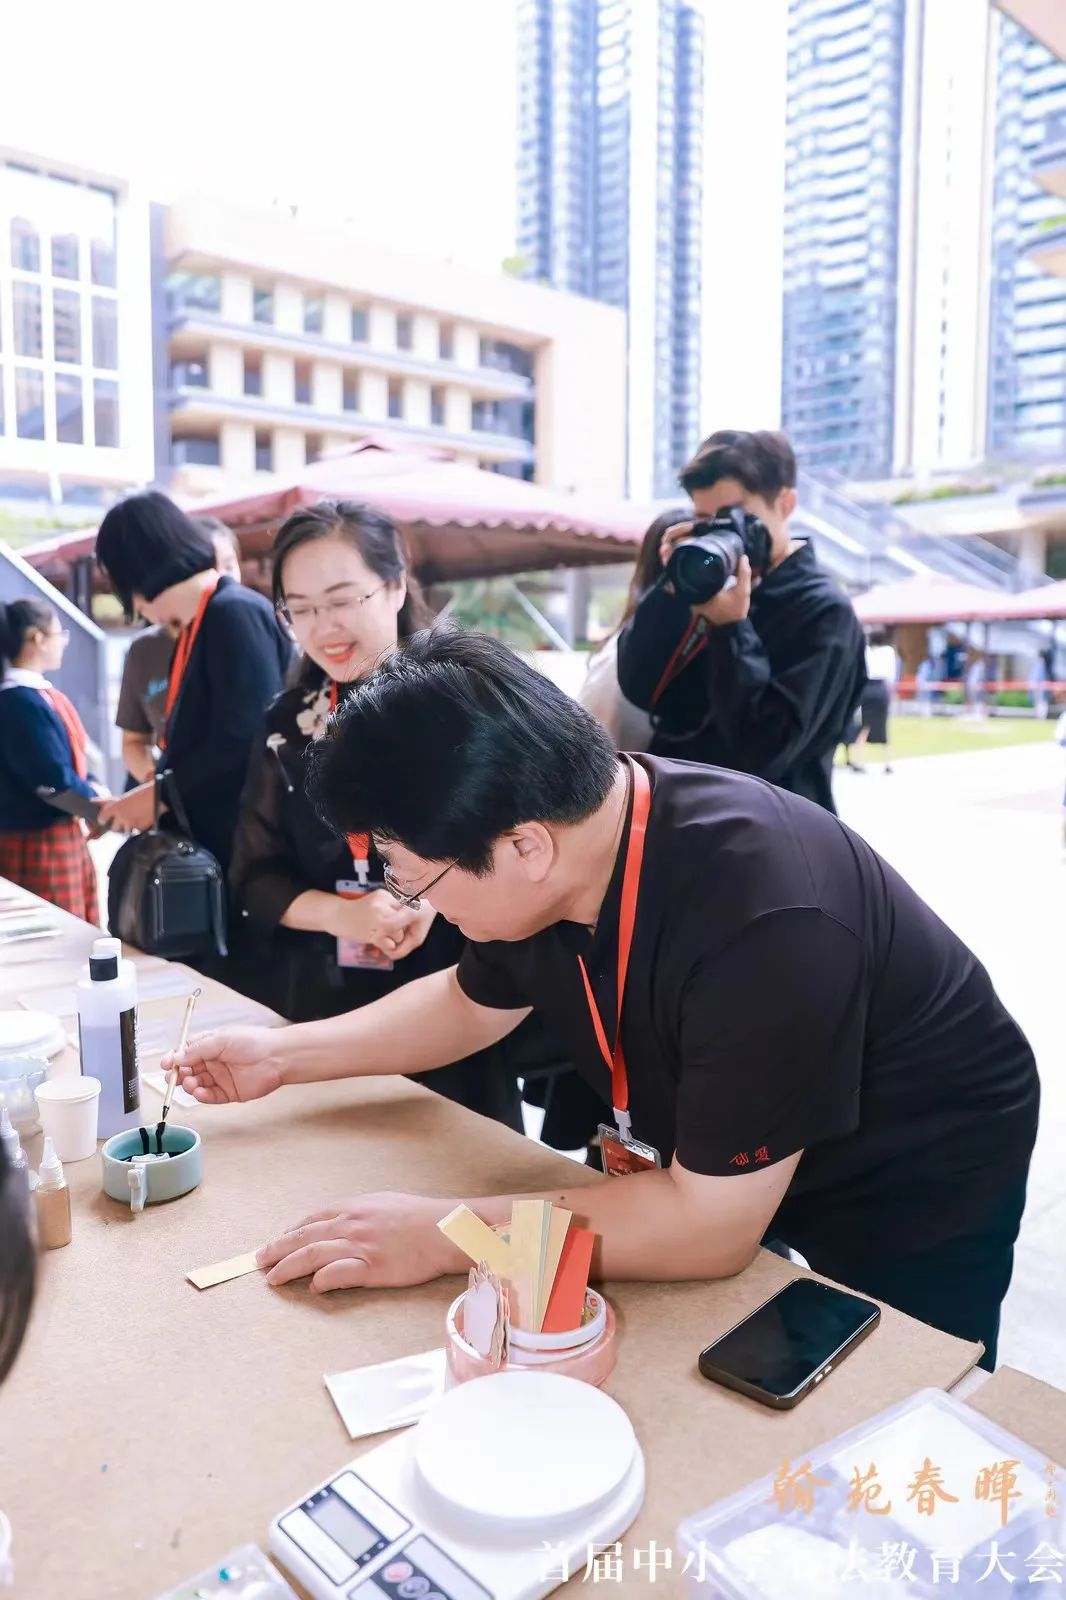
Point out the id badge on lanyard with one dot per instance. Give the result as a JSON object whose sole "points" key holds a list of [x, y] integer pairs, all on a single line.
{"points": [[622, 1154], [355, 953]]}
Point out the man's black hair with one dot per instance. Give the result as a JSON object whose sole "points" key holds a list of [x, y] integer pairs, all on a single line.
{"points": [[451, 743], [147, 544], [763, 462]]}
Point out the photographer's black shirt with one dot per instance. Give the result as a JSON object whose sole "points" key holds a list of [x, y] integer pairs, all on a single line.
{"points": [[773, 695], [788, 991]]}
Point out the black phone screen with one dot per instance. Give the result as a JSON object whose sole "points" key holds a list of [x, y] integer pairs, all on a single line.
{"points": [[795, 1333]]}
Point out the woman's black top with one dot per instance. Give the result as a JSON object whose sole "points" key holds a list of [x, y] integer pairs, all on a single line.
{"points": [[237, 666]]}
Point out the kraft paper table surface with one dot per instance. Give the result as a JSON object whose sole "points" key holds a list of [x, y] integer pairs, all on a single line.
{"points": [[148, 1427]]}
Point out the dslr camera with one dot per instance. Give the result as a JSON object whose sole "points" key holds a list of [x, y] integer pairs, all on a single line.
{"points": [[701, 565]]}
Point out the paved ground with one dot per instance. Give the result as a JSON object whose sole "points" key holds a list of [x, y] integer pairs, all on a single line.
{"points": [[980, 837]]}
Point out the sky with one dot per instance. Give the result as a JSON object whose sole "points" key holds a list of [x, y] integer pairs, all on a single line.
{"points": [[396, 118]]}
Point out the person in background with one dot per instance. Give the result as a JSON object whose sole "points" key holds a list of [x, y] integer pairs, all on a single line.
{"points": [[18, 1270], [1039, 678], [764, 678], [882, 672], [229, 662], [628, 725], [142, 697], [924, 679], [976, 680], [43, 745], [341, 587]]}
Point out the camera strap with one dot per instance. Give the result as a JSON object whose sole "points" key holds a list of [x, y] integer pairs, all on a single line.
{"points": [[692, 641], [615, 1059]]}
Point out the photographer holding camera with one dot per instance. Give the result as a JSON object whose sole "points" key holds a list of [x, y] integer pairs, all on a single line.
{"points": [[744, 651]]}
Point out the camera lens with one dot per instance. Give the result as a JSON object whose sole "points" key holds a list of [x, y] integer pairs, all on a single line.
{"points": [[700, 568]]}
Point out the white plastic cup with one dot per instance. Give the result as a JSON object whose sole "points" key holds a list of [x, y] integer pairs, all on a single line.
{"points": [[70, 1110]]}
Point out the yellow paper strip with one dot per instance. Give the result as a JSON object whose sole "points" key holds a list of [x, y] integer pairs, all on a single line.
{"points": [[222, 1271], [557, 1229], [477, 1240], [529, 1237]]}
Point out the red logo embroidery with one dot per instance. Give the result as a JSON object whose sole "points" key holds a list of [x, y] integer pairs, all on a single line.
{"points": [[762, 1153], [741, 1160]]}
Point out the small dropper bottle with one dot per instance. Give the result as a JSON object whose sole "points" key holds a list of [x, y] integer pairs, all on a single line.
{"points": [[18, 1166], [53, 1201]]}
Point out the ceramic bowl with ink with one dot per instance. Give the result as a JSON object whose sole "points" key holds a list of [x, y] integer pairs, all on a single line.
{"points": [[588, 1352], [137, 1179]]}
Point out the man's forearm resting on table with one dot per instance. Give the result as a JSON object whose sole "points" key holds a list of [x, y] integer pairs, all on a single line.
{"points": [[426, 1024], [665, 1226]]}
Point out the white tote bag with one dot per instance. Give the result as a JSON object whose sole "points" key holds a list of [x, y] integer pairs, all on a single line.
{"points": [[628, 726]]}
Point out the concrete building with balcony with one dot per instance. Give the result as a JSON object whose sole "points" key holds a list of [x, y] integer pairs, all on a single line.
{"points": [[75, 356], [278, 343]]}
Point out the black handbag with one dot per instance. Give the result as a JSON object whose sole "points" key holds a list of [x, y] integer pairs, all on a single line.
{"points": [[166, 893]]}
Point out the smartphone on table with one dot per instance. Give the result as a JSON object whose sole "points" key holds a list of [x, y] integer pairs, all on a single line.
{"points": [[786, 1347]]}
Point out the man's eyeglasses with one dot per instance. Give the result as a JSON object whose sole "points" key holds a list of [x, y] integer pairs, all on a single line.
{"points": [[412, 898], [300, 614]]}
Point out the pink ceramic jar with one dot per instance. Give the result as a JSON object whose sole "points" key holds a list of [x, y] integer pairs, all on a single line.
{"points": [[588, 1352]]}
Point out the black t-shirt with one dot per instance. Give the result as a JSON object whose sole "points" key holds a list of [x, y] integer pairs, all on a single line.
{"points": [[788, 991]]}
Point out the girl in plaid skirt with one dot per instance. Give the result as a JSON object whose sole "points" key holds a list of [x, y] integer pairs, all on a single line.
{"points": [[43, 745]]}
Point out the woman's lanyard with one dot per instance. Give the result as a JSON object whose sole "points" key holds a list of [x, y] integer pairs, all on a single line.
{"points": [[74, 728], [182, 652], [615, 1059], [358, 843]]}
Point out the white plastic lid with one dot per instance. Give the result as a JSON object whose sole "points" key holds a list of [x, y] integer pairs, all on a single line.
{"points": [[522, 1452], [30, 1033], [69, 1091]]}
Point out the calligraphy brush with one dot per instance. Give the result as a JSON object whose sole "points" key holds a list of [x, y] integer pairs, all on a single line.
{"points": [[172, 1075]]}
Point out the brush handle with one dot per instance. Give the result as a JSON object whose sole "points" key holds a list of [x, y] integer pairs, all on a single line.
{"points": [[172, 1075]]}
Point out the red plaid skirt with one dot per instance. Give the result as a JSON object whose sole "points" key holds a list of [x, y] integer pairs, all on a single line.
{"points": [[55, 864]]}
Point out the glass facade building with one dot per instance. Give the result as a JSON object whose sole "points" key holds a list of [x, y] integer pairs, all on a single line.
{"points": [[842, 205], [1027, 369], [610, 155]]}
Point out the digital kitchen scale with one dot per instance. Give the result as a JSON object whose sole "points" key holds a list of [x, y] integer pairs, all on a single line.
{"points": [[508, 1477]]}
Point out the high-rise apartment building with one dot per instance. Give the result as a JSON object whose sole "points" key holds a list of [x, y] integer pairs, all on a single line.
{"points": [[1027, 395], [888, 213], [75, 359], [842, 204], [610, 194]]}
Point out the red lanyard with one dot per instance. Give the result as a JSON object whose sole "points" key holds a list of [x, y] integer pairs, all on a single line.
{"points": [[182, 652], [627, 916], [358, 843], [75, 730]]}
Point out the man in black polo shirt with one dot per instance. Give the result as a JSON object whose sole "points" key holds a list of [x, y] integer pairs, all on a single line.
{"points": [[811, 1052]]}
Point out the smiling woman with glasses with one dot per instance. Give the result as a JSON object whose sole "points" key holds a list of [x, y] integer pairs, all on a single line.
{"points": [[43, 745], [336, 928]]}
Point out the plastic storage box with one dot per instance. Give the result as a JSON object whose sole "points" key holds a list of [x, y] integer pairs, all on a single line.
{"points": [[854, 1518]]}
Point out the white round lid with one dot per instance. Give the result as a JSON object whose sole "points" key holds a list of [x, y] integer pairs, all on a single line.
{"points": [[523, 1450], [30, 1032]]}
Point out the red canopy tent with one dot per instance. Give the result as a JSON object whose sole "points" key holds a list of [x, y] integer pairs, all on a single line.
{"points": [[924, 600], [1046, 602], [459, 521]]}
